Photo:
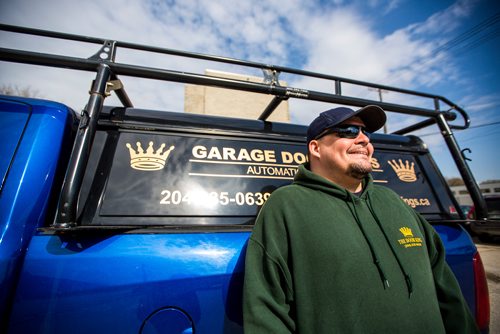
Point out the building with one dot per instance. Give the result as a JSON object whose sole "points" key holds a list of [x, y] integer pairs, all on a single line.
{"points": [[234, 103], [487, 188]]}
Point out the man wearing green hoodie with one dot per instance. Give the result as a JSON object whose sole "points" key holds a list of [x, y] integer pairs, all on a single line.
{"points": [[335, 253]]}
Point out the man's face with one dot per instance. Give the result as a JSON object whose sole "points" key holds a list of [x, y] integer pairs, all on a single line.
{"points": [[344, 156]]}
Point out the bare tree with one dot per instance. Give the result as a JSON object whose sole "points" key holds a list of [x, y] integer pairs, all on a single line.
{"points": [[18, 91], [455, 181]]}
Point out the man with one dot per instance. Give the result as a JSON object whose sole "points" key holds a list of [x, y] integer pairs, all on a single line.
{"points": [[324, 255]]}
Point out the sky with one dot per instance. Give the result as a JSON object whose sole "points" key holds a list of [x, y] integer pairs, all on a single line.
{"points": [[445, 48]]}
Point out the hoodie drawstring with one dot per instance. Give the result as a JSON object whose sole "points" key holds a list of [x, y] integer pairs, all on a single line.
{"points": [[376, 260], [407, 277]]}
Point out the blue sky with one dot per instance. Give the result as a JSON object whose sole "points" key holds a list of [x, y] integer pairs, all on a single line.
{"points": [[448, 48]]}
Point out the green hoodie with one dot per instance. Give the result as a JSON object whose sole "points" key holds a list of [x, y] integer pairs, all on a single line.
{"points": [[322, 260]]}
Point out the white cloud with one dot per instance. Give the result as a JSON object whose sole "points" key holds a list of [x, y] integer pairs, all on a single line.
{"points": [[384, 7], [482, 103], [444, 21], [338, 39]]}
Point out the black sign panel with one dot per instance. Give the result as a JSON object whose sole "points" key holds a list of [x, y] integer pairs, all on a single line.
{"points": [[172, 175], [176, 175], [401, 172]]}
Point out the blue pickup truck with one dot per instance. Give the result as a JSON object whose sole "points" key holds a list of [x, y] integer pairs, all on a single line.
{"points": [[127, 220]]}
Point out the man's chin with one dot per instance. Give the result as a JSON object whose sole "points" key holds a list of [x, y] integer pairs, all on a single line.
{"points": [[360, 170]]}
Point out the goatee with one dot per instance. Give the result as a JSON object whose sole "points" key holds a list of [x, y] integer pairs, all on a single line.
{"points": [[359, 170]]}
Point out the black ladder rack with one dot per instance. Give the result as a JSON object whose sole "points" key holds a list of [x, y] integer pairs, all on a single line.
{"points": [[107, 70]]}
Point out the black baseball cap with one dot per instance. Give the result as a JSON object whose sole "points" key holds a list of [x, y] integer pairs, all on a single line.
{"points": [[373, 116]]}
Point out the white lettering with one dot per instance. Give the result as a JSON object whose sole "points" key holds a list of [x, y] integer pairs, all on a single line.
{"points": [[296, 157], [272, 171], [214, 154], [199, 152], [242, 154], [229, 153]]}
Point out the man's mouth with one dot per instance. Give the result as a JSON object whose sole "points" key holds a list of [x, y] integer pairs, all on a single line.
{"points": [[359, 152]]}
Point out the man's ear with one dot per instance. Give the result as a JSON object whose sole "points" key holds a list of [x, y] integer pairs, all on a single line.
{"points": [[314, 150]]}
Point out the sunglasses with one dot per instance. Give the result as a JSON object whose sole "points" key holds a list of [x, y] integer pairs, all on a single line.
{"points": [[345, 131]]}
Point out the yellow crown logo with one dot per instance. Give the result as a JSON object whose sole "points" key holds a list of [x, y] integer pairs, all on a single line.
{"points": [[406, 231], [405, 171], [149, 160]]}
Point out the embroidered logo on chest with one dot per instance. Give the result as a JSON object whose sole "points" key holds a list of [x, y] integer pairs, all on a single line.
{"points": [[409, 240]]}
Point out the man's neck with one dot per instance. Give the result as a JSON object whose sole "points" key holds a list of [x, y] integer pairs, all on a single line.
{"points": [[350, 183], [354, 186]]}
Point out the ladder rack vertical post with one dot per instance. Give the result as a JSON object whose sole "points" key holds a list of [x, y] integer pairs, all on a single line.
{"points": [[66, 211], [338, 87], [463, 168]]}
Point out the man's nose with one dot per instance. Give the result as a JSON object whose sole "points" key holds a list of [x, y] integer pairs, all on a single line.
{"points": [[362, 138]]}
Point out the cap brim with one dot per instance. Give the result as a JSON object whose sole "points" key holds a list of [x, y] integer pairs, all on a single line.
{"points": [[373, 116]]}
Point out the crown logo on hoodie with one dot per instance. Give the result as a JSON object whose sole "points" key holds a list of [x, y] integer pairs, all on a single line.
{"points": [[409, 240], [148, 160], [405, 171], [406, 232]]}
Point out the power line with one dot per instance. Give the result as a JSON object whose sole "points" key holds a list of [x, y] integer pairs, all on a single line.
{"points": [[482, 137], [486, 38], [470, 127], [485, 124], [468, 34], [455, 42]]}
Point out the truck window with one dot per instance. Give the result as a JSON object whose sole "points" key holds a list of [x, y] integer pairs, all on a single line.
{"points": [[170, 175], [401, 172], [196, 176]]}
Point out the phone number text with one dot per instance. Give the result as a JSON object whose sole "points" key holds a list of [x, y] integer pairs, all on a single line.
{"points": [[177, 197]]}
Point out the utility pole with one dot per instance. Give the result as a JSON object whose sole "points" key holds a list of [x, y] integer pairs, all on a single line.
{"points": [[380, 92]]}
